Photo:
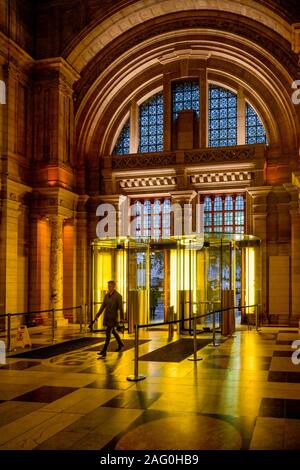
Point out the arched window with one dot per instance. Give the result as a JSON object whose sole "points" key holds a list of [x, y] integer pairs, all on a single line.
{"points": [[225, 119], [224, 213], [151, 124], [152, 218], [185, 95], [255, 132], [122, 146], [222, 117], [166, 218]]}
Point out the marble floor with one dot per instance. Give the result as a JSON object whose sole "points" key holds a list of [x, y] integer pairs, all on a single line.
{"points": [[244, 394]]}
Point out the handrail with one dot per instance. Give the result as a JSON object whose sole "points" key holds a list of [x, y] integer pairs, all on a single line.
{"points": [[149, 325], [137, 377], [40, 311], [25, 313], [67, 308], [53, 325]]}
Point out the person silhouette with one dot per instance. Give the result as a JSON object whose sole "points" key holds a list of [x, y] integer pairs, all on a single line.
{"points": [[111, 304]]}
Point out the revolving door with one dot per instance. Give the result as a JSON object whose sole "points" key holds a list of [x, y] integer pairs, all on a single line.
{"points": [[193, 276], [126, 262]]}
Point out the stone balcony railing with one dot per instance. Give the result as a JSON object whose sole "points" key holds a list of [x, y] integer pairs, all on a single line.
{"points": [[239, 153]]}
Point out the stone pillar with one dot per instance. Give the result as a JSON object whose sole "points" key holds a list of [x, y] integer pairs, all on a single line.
{"points": [[82, 252], [241, 117], [295, 249], [9, 254], [134, 127], [167, 113], [56, 266], [186, 133], [185, 200], [258, 214], [203, 120], [54, 111]]}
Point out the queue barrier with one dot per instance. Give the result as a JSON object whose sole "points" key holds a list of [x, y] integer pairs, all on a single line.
{"points": [[136, 377]]}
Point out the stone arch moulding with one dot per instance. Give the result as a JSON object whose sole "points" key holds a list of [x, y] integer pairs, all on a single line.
{"points": [[98, 35], [239, 61]]}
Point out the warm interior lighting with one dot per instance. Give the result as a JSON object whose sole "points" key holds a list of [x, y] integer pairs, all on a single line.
{"points": [[250, 278], [173, 280]]}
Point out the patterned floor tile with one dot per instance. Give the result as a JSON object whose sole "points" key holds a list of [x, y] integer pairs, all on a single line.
{"points": [[45, 394], [133, 399], [20, 365]]}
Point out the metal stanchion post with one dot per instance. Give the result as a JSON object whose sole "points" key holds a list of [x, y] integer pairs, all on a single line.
{"points": [[53, 325], [85, 317], [81, 318], [256, 317], [136, 377], [214, 344], [8, 346], [195, 357]]}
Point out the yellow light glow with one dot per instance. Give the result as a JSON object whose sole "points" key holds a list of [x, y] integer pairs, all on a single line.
{"points": [[121, 263], [250, 278], [173, 279]]}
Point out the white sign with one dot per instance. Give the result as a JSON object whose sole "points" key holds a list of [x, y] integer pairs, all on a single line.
{"points": [[2, 353], [2, 92]]}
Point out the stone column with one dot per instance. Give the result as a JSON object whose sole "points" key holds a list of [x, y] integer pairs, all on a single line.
{"points": [[82, 252], [258, 214], [185, 200], [9, 255], [203, 119], [167, 113], [54, 111], [56, 266], [241, 117], [295, 250], [134, 127]]}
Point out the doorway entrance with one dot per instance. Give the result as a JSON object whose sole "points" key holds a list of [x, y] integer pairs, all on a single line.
{"points": [[188, 275]]}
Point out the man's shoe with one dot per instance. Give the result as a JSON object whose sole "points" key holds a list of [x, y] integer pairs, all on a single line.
{"points": [[120, 347], [102, 353]]}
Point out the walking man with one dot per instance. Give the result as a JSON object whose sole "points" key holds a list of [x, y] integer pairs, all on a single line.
{"points": [[112, 303]]}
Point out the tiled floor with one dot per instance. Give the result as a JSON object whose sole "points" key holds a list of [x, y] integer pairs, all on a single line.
{"points": [[245, 394]]}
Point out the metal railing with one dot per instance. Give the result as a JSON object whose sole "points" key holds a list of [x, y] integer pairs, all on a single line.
{"points": [[137, 377], [52, 319]]}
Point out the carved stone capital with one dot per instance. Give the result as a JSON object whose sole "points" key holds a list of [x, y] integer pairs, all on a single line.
{"points": [[183, 197]]}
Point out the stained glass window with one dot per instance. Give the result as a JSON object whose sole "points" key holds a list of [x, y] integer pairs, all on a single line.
{"points": [[151, 124], [255, 131], [222, 117], [185, 95], [122, 146], [224, 213], [152, 218]]}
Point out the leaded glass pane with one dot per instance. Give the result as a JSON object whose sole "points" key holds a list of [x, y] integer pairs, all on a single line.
{"points": [[185, 95], [218, 204], [224, 213], [151, 124], [122, 146], [222, 117], [255, 131], [228, 203], [153, 219], [207, 204], [239, 203]]}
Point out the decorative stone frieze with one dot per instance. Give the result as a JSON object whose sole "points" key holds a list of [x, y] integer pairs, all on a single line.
{"points": [[142, 160]]}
